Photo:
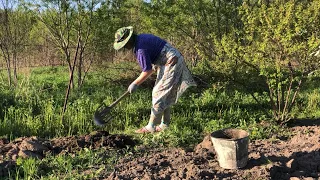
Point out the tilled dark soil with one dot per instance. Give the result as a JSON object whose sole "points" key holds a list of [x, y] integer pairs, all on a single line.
{"points": [[295, 158]]}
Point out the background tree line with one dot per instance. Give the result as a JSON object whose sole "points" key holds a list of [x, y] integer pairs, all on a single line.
{"points": [[257, 46]]}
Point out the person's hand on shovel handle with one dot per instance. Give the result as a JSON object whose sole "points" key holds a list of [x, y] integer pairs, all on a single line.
{"points": [[135, 84], [132, 88]]}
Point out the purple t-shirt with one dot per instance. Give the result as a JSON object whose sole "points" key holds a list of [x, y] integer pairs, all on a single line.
{"points": [[147, 49]]}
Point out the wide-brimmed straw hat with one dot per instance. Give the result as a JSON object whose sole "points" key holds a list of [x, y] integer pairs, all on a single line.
{"points": [[122, 36]]}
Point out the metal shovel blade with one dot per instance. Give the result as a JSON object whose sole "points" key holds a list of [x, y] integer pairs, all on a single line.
{"points": [[102, 115]]}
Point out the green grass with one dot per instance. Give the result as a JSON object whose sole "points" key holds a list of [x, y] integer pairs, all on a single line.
{"points": [[86, 164], [34, 108]]}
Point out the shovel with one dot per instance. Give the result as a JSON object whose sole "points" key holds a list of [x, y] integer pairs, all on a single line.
{"points": [[102, 114]]}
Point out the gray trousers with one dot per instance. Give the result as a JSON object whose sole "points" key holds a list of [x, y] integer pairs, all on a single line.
{"points": [[163, 118]]}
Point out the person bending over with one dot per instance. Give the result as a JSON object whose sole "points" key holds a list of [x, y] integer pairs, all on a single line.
{"points": [[173, 76]]}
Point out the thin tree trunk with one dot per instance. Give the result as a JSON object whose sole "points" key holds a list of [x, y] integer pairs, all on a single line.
{"points": [[6, 56], [70, 66], [15, 74], [80, 69], [9, 70], [70, 80]]}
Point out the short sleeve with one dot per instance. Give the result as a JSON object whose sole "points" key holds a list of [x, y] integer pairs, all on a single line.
{"points": [[144, 60]]}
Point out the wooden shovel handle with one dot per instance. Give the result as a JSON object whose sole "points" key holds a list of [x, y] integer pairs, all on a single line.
{"points": [[119, 99]]}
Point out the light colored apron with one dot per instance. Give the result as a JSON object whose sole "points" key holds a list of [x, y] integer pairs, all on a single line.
{"points": [[172, 80]]}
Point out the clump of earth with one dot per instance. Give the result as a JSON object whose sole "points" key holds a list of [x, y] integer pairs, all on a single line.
{"points": [[38, 148], [294, 158]]}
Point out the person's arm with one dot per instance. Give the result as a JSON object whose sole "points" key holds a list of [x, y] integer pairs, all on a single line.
{"points": [[145, 64], [143, 76]]}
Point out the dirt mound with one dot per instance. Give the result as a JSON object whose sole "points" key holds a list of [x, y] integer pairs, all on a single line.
{"points": [[38, 148], [295, 158]]}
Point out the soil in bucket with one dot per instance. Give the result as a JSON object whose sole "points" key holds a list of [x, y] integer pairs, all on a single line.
{"points": [[231, 146]]}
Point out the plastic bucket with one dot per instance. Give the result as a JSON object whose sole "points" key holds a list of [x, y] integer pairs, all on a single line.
{"points": [[231, 146]]}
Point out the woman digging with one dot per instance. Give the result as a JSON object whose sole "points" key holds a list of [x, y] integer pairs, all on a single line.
{"points": [[173, 76]]}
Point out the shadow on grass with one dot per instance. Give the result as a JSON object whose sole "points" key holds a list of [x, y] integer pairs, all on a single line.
{"points": [[303, 122], [220, 106]]}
